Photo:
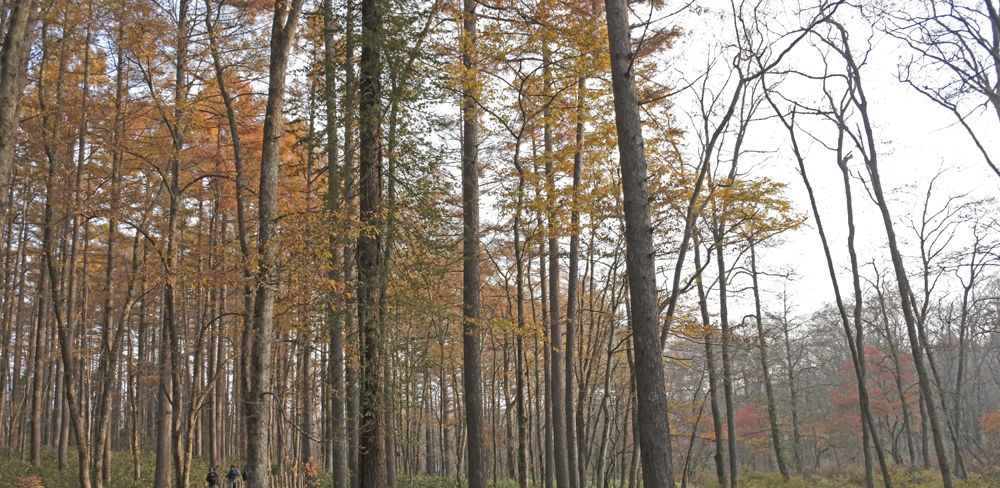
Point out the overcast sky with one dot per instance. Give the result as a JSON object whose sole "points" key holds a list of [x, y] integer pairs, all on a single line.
{"points": [[916, 140]]}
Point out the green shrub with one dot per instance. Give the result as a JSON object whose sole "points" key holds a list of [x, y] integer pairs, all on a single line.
{"points": [[14, 471], [425, 481]]}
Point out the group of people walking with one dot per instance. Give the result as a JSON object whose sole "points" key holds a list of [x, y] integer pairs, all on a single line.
{"points": [[232, 476]]}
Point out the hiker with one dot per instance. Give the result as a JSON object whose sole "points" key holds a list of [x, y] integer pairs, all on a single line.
{"points": [[232, 475], [212, 478]]}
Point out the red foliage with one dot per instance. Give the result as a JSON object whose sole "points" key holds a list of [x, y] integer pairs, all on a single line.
{"points": [[883, 390], [752, 428]]}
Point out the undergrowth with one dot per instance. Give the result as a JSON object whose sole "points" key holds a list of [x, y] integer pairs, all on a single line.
{"points": [[16, 472]]}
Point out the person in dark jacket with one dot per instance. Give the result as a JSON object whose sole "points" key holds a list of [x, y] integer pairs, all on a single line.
{"points": [[232, 475], [213, 477]]}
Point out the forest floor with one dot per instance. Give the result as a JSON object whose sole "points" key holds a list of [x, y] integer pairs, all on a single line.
{"points": [[18, 473], [900, 479]]}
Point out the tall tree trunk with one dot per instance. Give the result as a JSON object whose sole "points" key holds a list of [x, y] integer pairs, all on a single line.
{"points": [[718, 226], [241, 223], [963, 333], [111, 339], [14, 55], [557, 384], [38, 355], [171, 321], [713, 379], [772, 405], [521, 379], [284, 23], [68, 362], [854, 344], [793, 394], [869, 434], [892, 346], [372, 462], [602, 480], [916, 348], [549, 471], [72, 267], [52, 121], [352, 365], [335, 311], [576, 474], [12, 313], [657, 470], [871, 162], [471, 326]]}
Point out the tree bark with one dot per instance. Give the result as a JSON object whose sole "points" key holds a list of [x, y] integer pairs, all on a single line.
{"points": [[793, 394], [557, 385], [351, 364], [713, 380], [372, 455], [866, 141], [657, 471], [21, 20], [335, 310], [521, 375], [258, 401], [772, 405], [576, 474], [471, 314], [727, 376]]}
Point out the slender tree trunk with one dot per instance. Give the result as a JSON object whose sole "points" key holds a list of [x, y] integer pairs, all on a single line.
{"points": [[792, 392], [772, 405], [603, 470], [66, 352], [335, 311], [657, 460], [16, 261], [727, 375], [52, 122], [372, 462], [713, 386], [352, 364], [855, 345], [137, 399], [38, 354], [38, 363], [305, 410], [241, 223], [892, 346], [72, 267], [869, 434], [521, 379], [557, 384], [549, 471], [285, 21], [963, 329], [576, 473], [17, 41], [248, 289], [172, 312], [111, 333], [925, 455], [871, 163]]}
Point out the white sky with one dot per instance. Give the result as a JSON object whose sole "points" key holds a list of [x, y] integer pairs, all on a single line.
{"points": [[916, 139]]}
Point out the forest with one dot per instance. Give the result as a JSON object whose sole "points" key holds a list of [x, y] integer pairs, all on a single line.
{"points": [[500, 243]]}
